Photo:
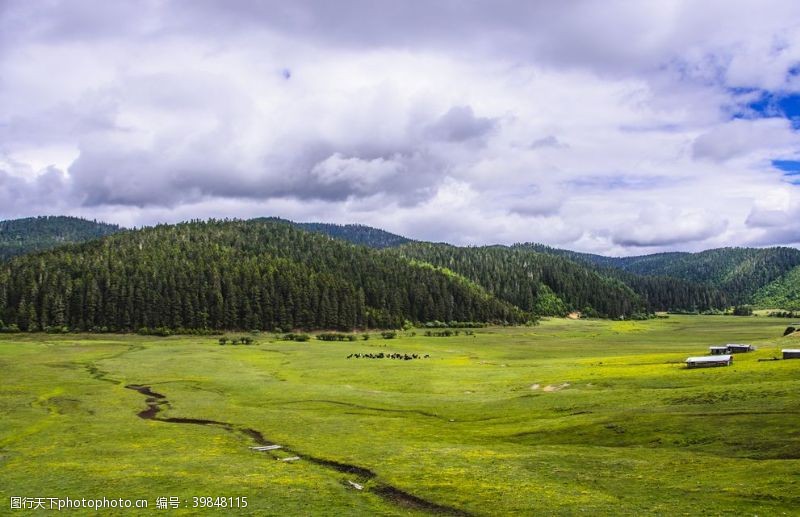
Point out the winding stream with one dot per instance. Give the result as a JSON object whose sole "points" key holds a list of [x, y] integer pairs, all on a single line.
{"points": [[156, 402]]}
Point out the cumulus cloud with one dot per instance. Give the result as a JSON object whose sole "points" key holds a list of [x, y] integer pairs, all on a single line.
{"points": [[601, 126], [359, 173], [775, 218], [548, 141], [42, 193], [460, 124], [659, 226], [773, 136]]}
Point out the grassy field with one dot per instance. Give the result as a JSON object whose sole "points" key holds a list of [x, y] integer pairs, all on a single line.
{"points": [[567, 418]]}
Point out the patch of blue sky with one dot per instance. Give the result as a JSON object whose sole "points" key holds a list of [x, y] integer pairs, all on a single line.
{"points": [[768, 104], [788, 167]]}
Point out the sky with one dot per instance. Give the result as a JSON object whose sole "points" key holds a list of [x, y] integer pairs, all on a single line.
{"points": [[614, 127]]}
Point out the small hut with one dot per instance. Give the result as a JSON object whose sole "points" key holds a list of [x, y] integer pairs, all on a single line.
{"points": [[718, 350], [791, 353], [709, 361], [737, 348]]}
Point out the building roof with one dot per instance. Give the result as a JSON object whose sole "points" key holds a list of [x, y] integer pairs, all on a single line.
{"points": [[791, 350], [708, 359], [718, 347]]}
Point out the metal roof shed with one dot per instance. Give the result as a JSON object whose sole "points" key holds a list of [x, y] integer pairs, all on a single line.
{"points": [[708, 361], [791, 353]]}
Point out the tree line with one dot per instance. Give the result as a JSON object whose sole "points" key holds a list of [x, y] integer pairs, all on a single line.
{"points": [[535, 282], [233, 275]]}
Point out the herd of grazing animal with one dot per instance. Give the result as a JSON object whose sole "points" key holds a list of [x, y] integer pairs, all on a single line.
{"points": [[381, 355]]}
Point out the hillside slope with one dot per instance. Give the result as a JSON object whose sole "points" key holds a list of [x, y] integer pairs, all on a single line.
{"points": [[719, 277], [357, 234], [21, 236], [739, 272], [536, 282], [233, 275], [782, 293], [568, 280]]}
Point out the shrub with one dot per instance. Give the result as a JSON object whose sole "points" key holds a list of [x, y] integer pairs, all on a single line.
{"points": [[291, 336], [783, 314], [436, 324], [442, 333], [146, 331], [389, 334], [336, 336]]}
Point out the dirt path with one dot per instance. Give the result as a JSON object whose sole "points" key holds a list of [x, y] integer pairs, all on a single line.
{"points": [[156, 402]]}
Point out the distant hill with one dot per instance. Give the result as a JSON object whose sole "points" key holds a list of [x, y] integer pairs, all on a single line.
{"points": [[782, 293], [234, 275], [357, 234], [735, 273], [537, 282], [496, 282], [20, 236], [738, 271]]}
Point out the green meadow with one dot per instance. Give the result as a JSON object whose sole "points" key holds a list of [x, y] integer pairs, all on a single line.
{"points": [[565, 418]]}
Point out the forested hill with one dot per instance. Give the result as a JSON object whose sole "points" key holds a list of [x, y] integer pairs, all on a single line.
{"points": [[20, 236], [494, 282], [738, 268], [357, 234], [738, 272], [653, 293], [537, 282], [782, 293], [713, 279], [233, 275], [735, 274]]}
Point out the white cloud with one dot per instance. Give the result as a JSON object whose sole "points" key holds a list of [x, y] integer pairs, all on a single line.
{"points": [[360, 175], [603, 126], [760, 138], [662, 225]]}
